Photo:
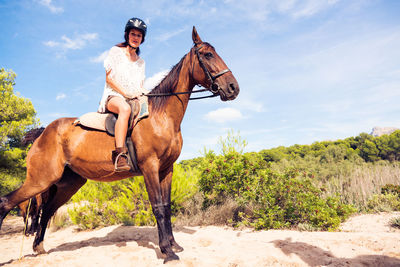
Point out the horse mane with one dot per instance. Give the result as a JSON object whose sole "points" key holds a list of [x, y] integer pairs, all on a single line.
{"points": [[166, 86]]}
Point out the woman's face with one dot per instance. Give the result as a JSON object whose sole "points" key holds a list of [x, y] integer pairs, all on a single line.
{"points": [[135, 37]]}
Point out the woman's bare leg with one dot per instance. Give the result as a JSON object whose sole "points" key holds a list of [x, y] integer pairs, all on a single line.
{"points": [[119, 106]]}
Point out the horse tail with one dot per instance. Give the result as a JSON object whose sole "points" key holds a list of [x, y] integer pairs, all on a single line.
{"points": [[31, 136]]}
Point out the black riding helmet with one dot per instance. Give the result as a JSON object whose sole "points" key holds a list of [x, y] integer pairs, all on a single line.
{"points": [[135, 23]]}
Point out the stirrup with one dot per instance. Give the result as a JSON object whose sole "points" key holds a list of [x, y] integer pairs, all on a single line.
{"points": [[124, 167]]}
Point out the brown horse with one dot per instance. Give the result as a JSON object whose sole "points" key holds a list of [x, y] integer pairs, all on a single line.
{"points": [[66, 155]]}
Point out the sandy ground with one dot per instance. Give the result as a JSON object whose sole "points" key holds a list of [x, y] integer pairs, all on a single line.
{"points": [[365, 240]]}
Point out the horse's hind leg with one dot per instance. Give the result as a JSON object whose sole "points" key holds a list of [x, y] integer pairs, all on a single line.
{"points": [[31, 187], [44, 168], [60, 193]]}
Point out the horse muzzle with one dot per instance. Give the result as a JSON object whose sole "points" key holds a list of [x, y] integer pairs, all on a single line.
{"points": [[229, 92]]}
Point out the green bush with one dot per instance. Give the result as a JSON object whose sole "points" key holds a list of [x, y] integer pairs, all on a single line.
{"points": [[13, 158], [289, 199], [268, 199], [126, 201], [101, 204], [184, 186], [383, 202], [391, 188], [228, 175], [10, 180]]}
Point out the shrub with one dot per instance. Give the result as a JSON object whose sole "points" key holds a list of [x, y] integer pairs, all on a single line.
{"points": [[391, 188], [228, 175], [290, 199], [126, 201], [123, 202], [184, 186], [267, 199], [395, 222], [354, 181], [383, 202], [10, 180]]}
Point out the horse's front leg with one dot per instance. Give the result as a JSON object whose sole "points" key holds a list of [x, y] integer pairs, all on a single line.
{"points": [[166, 181], [152, 180]]}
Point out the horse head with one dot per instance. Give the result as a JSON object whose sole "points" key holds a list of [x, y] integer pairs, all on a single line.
{"points": [[211, 71]]}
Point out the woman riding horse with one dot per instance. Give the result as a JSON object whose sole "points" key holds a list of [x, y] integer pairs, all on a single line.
{"points": [[125, 73]]}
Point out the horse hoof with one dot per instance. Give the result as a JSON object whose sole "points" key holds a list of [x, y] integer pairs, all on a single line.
{"points": [[172, 257], [176, 248], [39, 249]]}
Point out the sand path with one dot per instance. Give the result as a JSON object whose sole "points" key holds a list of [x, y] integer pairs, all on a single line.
{"points": [[365, 240]]}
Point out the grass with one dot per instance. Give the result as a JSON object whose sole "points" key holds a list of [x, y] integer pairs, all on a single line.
{"points": [[358, 184]]}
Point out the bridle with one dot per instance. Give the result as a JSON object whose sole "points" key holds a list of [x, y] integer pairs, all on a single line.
{"points": [[214, 88]]}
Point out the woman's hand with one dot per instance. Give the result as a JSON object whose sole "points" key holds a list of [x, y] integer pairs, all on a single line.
{"points": [[131, 95]]}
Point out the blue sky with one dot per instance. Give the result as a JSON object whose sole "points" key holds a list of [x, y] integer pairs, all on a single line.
{"points": [[308, 70]]}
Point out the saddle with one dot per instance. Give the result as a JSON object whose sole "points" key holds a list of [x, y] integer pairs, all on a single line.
{"points": [[106, 122]]}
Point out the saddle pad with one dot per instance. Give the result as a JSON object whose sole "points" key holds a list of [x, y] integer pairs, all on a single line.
{"points": [[94, 120], [98, 121]]}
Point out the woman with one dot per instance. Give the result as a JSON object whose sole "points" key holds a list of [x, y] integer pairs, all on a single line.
{"points": [[125, 74]]}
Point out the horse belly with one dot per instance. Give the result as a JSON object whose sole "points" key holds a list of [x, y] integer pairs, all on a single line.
{"points": [[90, 156]]}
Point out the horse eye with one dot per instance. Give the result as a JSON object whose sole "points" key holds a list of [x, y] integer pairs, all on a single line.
{"points": [[208, 55]]}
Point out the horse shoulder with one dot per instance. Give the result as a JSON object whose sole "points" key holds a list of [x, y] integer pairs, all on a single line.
{"points": [[158, 137]]}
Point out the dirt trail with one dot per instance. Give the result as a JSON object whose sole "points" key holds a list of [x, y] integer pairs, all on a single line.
{"points": [[365, 240]]}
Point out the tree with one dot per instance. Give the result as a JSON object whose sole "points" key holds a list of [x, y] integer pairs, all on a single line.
{"points": [[17, 114]]}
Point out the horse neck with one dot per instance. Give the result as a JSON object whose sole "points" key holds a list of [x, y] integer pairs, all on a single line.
{"points": [[176, 105]]}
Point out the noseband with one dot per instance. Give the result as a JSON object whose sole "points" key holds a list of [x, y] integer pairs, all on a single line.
{"points": [[214, 88]]}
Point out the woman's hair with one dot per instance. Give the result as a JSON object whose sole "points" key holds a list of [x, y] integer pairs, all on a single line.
{"points": [[126, 43]]}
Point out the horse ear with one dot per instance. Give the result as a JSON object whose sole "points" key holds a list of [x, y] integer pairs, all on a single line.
{"points": [[196, 37]]}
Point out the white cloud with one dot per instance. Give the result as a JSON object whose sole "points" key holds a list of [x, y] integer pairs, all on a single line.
{"points": [[100, 58], [51, 6], [168, 35], [67, 43], [309, 8], [51, 43], [223, 115], [61, 96], [154, 80], [251, 105], [79, 42]]}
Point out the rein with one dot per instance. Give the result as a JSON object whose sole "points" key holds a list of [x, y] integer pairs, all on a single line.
{"points": [[185, 93], [214, 88]]}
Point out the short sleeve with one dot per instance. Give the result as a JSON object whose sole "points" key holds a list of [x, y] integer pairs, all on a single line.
{"points": [[112, 58]]}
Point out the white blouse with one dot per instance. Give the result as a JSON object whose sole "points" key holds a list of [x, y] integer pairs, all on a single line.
{"points": [[128, 74]]}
